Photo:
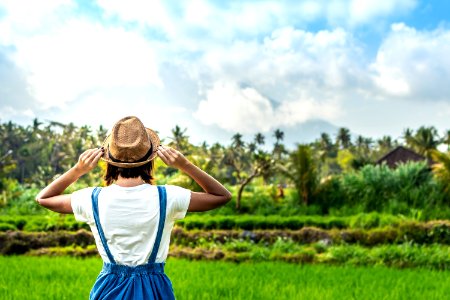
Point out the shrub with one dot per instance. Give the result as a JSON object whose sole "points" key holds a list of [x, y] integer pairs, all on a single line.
{"points": [[378, 188], [74, 251], [22, 242], [7, 226]]}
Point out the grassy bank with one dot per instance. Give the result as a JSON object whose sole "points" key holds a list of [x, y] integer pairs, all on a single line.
{"points": [[70, 278], [55, 222]]}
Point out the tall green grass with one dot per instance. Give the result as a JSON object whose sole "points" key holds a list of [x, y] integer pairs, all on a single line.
{"points": [[69, 278]]}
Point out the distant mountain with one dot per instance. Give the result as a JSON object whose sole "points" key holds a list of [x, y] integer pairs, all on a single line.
{"points": [[308, 132], [300, 133]]}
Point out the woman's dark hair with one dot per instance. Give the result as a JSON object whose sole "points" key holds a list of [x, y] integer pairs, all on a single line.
{"points": [[144, 171]]}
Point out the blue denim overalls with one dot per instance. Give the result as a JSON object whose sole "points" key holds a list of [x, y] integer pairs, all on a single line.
{"points": [[146, 281]]}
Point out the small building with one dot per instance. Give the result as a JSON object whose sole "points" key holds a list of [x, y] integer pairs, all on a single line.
{"points": [[401, 155]]}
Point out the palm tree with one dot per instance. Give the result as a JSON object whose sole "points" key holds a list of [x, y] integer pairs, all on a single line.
{"points": [[259, 139], [362, 153], [237, 141], [446, 139], [343, 139], [252, 147], [385, 143], [325, 143], [441, 168], [180, 139], [278, 147], [360, 140], [425, 140], [363, 144], [247, 161], [302, 170], [408, 136], [36, 125], [101, 134], [279, 135]]}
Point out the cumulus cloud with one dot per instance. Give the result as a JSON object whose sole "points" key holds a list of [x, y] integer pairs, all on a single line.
{"points": [[290, 77], [414, 64], [235, 109], [245, 110], [287, 59], [218, 21], [81, 57], [23, 18], [365, 11]]}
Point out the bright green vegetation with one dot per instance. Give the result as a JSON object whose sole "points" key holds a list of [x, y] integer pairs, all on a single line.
{"points": [[337, 177], [46, 278], [304, 246], [69, 278], [405, 244], [398, 256], [54, 222]]}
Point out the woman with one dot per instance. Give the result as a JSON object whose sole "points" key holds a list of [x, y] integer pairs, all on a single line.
{"points": [[131, 220]]}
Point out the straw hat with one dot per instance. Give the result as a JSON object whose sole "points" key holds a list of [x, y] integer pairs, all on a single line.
{"points": [[130, 144]]}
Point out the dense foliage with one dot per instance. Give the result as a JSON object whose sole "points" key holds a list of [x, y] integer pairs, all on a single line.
{"points": [[55, 222], [337, 177]]}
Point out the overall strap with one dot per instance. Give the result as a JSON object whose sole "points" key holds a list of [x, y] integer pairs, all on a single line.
{"points": [[162, 218], [94, 197]]}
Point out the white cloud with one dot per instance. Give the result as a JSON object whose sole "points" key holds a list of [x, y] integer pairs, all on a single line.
{"points": [[356, 13], [81, 57], [291, 77], [184, 23], [444, 110], [180, 22], [365, 11], [8, 112], [414, 64], [289, 58], [154, 13], [245, 110], [292, 113], [235, 109], [25, 18]]}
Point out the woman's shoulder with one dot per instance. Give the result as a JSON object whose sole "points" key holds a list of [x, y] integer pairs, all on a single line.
{"points": [[83, 192], [177, 193], [175, 188]]}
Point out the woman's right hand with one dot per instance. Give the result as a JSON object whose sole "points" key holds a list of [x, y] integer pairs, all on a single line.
{"points": [[173, 158], [88, 160]]}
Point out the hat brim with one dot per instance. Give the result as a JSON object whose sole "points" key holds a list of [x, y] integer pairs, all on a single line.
{"points": [[154, 139]]}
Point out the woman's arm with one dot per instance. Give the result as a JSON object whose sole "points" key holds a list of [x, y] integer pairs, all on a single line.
{"points": [[215, 194], [51, 196]]}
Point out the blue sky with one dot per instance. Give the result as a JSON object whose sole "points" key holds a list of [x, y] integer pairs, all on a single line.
{"points": [[217, 68]]}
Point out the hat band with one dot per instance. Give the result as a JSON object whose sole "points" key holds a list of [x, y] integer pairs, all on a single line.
{"points": [[146, 156]]}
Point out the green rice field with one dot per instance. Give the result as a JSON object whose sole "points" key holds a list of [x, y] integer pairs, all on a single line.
{"points": [[23, 277]]}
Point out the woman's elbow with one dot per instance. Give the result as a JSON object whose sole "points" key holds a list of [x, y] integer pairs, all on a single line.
{"points": [[40, 201], [227, 197]]}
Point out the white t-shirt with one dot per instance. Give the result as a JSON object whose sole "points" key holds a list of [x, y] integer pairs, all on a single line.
{"points": [[129, 217]]}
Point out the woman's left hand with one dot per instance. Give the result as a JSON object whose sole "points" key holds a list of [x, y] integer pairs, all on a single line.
{"points": [[51, 196]]}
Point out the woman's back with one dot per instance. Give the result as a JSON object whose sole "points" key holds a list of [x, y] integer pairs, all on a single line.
{"points": [[144, 281], [129, 217]]}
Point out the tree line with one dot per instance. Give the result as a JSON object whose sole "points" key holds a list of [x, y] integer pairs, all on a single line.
{"points": [[33, 154]]}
